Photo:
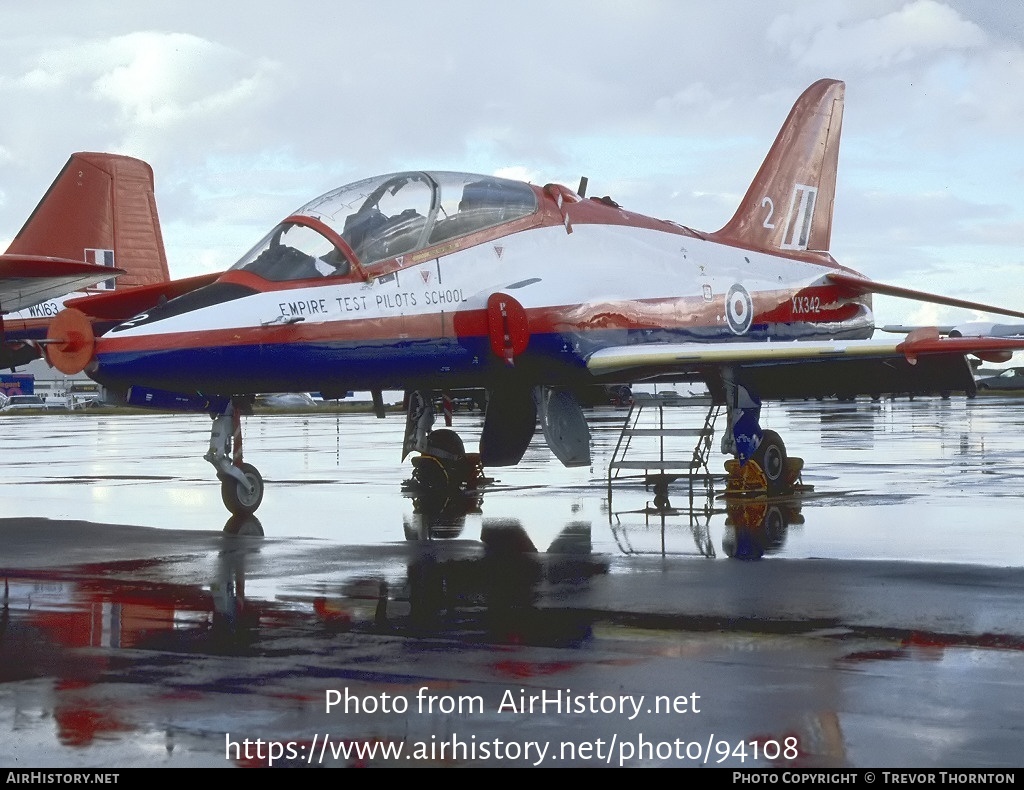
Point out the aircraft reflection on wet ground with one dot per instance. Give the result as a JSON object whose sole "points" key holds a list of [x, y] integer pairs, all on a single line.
{"points": [[99, 629], [152, 661], [489, 589]]}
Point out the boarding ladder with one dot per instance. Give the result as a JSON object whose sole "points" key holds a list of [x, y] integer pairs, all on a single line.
{"points": [[642, 451]]}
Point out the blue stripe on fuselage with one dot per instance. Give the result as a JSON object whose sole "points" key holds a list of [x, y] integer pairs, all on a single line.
{"points": [[436, 362]]}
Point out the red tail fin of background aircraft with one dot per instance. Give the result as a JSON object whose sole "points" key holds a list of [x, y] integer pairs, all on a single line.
{"points": [[789, 204], [100, 209]]}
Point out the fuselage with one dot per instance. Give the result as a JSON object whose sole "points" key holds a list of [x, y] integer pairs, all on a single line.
{"points": [[348, 309]]}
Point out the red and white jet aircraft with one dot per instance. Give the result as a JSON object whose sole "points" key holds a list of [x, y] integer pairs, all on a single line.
{"points": [[440, 281]]}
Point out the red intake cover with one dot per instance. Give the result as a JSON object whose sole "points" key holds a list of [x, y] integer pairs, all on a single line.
{"points": [[507, 326]]}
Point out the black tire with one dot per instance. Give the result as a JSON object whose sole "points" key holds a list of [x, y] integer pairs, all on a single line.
{"points": [[770, 455], [447, 441], [237, 499]]}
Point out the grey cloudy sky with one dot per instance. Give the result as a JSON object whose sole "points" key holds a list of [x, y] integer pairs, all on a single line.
{"points": [[248, 109]]}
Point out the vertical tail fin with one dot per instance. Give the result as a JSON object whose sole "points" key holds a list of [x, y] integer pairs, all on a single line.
{"points": [[789, 203], [100, 209]]}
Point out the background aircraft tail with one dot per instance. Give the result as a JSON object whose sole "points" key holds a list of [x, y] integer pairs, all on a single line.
{"points": [[789, 204], [100, 209]]}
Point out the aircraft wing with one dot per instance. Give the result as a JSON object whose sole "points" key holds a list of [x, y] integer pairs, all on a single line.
{"points": [[664, 359], [969, 329], [921, 363], [27, 280], [862, 285]]}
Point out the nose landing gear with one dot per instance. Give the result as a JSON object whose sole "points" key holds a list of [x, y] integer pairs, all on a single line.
{"points": [[241, 485]]}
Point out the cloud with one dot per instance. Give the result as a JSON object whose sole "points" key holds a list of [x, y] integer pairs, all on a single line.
{"points": [[246, 111], [902, 218], [158, 79], [152, 79], [518, 173], [916, 30], [694, 95]]}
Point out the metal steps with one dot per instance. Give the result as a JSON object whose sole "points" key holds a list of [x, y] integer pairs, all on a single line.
{"points": [[646, 445]]}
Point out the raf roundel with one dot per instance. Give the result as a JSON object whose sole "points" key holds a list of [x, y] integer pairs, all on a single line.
{"points": [[739, 310]]}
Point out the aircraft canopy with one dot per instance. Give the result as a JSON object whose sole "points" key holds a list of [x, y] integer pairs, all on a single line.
{"points": [[385, 217]]}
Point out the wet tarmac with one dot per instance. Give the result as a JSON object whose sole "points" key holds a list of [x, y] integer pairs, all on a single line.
{"points": [[873, 621]]}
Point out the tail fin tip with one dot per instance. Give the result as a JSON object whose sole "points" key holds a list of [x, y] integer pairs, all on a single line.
{"points": [[788, 205]]}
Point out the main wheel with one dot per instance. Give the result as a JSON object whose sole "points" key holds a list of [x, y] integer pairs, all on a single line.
{"points": [[771, 457], [445, 443], [237, 498]]}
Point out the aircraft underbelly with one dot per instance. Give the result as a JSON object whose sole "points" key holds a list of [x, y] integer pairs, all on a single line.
{"points": [[298, 367], [280, 368]]}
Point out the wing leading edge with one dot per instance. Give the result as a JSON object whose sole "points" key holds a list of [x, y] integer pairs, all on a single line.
{"points": [[681, 357], [921, 363], [664, 359]]}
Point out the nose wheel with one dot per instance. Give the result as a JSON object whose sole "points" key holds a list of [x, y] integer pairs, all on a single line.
{"points": [[242, 499]]}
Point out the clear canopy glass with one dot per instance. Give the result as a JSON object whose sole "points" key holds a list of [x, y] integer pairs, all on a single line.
{"points": [[383, 218]]}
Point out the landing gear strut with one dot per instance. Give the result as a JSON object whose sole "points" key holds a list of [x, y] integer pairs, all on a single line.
{"points": [[241, 486]]}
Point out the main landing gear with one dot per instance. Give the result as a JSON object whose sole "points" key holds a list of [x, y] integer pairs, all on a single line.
{"points": [[761, 465], [241, 486], [769, 471], [443, 466]]}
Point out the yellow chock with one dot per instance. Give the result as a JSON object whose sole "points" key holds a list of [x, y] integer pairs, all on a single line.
{"points": [[744, 479]]}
